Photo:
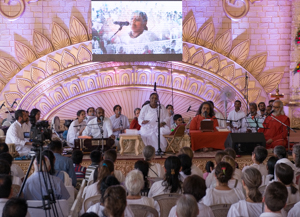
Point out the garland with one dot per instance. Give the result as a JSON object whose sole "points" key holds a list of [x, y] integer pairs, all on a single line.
{"points": [[297, 39], [297, 69]]}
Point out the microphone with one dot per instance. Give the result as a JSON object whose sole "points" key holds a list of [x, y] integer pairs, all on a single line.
{"points": [[172, 113], [3, 104], [121, 23], [189, 109], [15, 102], [205, 114], [154, 86], [270, 113]]}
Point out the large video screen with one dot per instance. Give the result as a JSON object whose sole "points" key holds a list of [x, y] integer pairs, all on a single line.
{"points": [[129, 31]]}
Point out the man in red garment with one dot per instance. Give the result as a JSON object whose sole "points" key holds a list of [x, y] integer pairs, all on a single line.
{"points": [[275, 133]]}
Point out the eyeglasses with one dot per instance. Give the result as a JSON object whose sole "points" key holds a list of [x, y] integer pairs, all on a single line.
{"points": [[276, 107]]}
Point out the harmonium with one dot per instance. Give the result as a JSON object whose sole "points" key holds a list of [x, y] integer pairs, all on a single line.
{"points": [[88, 144]]}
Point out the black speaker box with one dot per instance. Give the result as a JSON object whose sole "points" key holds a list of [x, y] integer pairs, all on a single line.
{"points": [[244, 143]]}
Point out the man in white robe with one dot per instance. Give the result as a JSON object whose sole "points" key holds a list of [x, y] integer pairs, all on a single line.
{"points": [[148, 122], [235, 117]]}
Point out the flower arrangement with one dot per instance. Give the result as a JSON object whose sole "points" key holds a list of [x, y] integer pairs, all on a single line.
{"points": [[297, 69], [297, 39]]}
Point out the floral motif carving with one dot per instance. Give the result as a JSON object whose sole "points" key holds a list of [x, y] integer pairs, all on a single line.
{"points": [[17, 15], [8, 68], [270, 80], [77, 31], [227, 72], [23, 85], [205, 36], [223, 43], [257, 64], [60, 37], [213, 64], [42, 45], [11, 96], [189, 28], [37, 74], [24, 54], [68, 59], [198, 58], [84, 54], [240, 52], [240, 14], [52, 66]]}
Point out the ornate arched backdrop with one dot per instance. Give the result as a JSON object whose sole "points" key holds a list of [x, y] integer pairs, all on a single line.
{"points": [[58, 77]]}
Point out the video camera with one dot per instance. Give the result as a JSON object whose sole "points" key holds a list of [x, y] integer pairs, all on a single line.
{"points": [[40, 132]]}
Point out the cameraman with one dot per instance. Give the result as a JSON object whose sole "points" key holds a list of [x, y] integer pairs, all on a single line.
{"points": [[15, 134]]}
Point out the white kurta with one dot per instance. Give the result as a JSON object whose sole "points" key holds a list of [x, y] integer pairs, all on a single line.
{"points": [[211, 180], [90, 191], [288, 162], [245, 209], [292, 198], [262, 169], [246, 126], [294, 212], [26, 127], [214, 196], [156, 170], [204, 211], [92, 129], [222, 123], [15, 170], [88, 118], [157, 189], [149, 132], [122, 120], [196, 171], [234, 116], [15, 134], [73, 132]]}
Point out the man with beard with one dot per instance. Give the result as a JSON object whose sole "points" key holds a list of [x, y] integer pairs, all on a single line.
{"points": [[261, 109], [275, 133]]}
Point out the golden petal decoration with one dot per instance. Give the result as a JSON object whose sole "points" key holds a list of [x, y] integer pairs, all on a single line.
{"points": [[90, 29], [254, 94], [37, 74], [239, 82], [59, 37], [185, 53], [189, 28], [52, 66], [68, 59], [227, 72], [269, 81], [8, 68], [213, 64], [256, 64], [42, 45], [240, 52], [223, 43], [77, 31], [2, 85], [10, 97], [84, 54], [198, 59], [23, 85], [205, 36], [24, 54]]}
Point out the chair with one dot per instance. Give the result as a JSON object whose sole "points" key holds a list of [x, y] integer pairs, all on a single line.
{"points": [[91, 201], [166, 202], [71, 192], [220, 210], [289, 206], [179, 133], [60, 206], [154, 179], [78, 201], [262, 189], [142, 210]]}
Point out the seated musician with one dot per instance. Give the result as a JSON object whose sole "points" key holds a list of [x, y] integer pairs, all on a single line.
{"points": [[246, 128], [135, 122], [205, 112], [275, 133], [76, 127]]}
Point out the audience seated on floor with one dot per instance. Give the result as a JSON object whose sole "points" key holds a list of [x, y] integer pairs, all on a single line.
{"points": [[231, 152], [235, 181], [209, 167], [143, 166], [294, 212], [155, 169], [271, 168], [210, 178], [171, 182], [96, 159], [195, 185], [222, 194], [5, 190], [186, 206], [77, 157], [195, 170], [186, 164], [15, 207]]}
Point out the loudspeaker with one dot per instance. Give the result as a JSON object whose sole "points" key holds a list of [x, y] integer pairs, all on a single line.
{"points": [[244, 143]]}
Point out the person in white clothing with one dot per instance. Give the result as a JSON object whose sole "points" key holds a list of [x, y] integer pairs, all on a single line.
{"points": [[186, 163], [15, 134], [252, 206], [195, 170], [219, 116], [119, 123], [186, 206], [76, 128], [111, 154], [274, 200], [170, 110], [261, 109], [195, 186], [171, 182], [296, 158], [27, 125], [90, 114], [256, 118], [271, 168], [211, 178], [6, 191], [155, 169], [235, 117], [294, 212], [222, 193], [149, 126]]}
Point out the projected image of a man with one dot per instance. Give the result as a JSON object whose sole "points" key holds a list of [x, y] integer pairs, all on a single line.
{"points": [[138, 24]]}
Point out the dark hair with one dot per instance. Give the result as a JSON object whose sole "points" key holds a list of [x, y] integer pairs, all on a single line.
{"points": [[136, 109], [261, 153], [271, 165], [77, 156], [194, 185], [115, 201], [87, 111], [106, 167], [219, 155], [211, 102], [280, 151], [238, 101], [276, 195], [68, 123], [4, 167], [49, 154], [79, 112], [223, 172], [253, 104], [19, 113], [110, 154], [211, 110], [146, 102], [186, 164], [5, 185], [143, 166], [15, 207], [272, 100], [285, 174], [168, 106], [89, 214], [95, 156], [105, 183], [172, 181], [116, 106], [261, 103], [153, 94], [177, 116], [269, 106], [209, 164], [252, 179], [231, 152], [32, 116], [7, 157], [3, 147], [296, 152], [55, 145]]}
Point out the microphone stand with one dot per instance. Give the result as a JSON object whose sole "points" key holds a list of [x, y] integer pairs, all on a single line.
{"points": [[246, 96], [159, 151], [117, 31]]}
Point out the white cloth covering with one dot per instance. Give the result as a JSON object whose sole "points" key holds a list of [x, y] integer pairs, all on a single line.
{"points": [[121, 121], [204, 211], [73, 132], [267, 179], [2, 204], [145, 201], [214, 196], [92, 128], [292, 198], [156, 170], [118, 174], [26, 127], [211, 180], [90, 191], [157, 188], [88, 118], [245, 209], [16, 181], [236, 116], [261, 168], [288, 162], [15, 134], [15, 170], [222, 123], [149, 132], [196, 171], [271, 214], [294, 212], [98, 209]]}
